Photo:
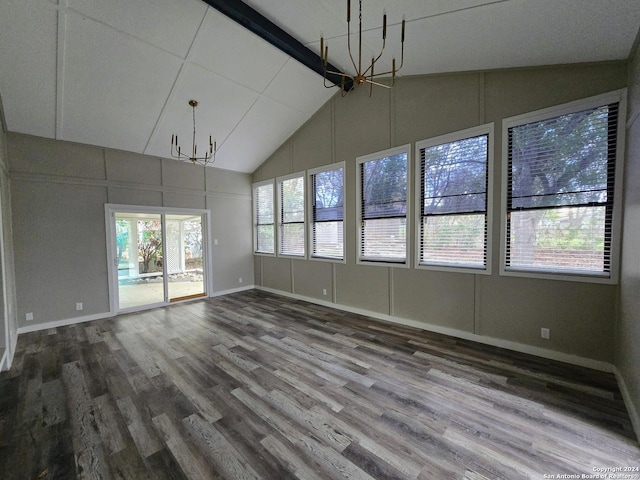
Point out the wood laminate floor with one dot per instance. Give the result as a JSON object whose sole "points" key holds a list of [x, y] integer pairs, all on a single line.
{"points": [[257, 386]]}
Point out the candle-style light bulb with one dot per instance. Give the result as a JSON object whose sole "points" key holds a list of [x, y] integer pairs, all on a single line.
{"points": [[384, 26], [402, 40], [348, 10]]}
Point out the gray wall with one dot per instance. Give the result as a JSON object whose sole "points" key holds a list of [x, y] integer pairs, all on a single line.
{"points": [[59, 190], [8, 322], [581, 316], [628, 326]]}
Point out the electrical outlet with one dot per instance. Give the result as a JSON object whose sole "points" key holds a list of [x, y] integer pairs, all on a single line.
{"points": [[544, 333], [240, 280], [79, 306], [324, 291], [215, 241], [29, 316]]}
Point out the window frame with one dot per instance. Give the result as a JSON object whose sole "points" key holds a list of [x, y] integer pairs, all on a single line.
{"points": [[278, 219], [254, 187], [382, 262], [480, 130], [617, 96], [309, 208]]}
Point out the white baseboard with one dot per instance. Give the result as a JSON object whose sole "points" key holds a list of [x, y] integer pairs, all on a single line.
{"points": [[72, 321], [233, 290], [4, 362], [496, 342], [62, 323], [634, 415]]}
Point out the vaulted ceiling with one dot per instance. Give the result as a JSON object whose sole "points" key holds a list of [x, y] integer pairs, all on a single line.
{"points": [[120, 73]]}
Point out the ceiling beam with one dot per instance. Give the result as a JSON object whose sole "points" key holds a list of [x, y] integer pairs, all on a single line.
{"points": [[253, 21]]}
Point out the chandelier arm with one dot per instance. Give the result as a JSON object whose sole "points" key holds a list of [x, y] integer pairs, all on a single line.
{"points": [[360, 39], [373, 62], [372, 82], [194, 146], [401, 57], [388, 72], [384, 42], [340, 74], [370, 69]]}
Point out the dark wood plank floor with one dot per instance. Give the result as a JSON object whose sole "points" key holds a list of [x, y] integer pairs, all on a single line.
{"points": [[256, 386]]}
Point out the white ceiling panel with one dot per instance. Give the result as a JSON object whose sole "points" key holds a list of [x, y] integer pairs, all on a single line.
{"points": [[221, 42], [305, 20], [396, 10], [115, 86], [222, 105], [267, 125], [28, 30], [518, 34], [299, 88], [169, 24]]}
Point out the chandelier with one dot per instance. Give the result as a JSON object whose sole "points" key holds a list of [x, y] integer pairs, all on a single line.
{"points": [[361, 76], [176, 151]]}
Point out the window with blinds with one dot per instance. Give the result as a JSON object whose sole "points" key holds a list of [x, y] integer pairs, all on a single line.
{"points": [[291, 216], [383, 186], [263, 214], [327, 212], [452, 223], [560, 192]]}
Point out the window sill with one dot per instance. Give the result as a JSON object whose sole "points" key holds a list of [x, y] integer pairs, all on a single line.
{"points": [[468, 269], [566, 276]]}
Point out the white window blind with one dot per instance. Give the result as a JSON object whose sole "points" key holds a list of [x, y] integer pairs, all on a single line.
{"points": [[264, 219], [560, 192], [328, 214], [292, 216], [453, 203], [383, 208]]}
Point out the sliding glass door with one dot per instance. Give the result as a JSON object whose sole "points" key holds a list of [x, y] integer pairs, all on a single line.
{"points": [[159, 256], [139, 256], [185, 272]]}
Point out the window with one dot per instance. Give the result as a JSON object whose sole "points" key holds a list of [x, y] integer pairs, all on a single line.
{"points": [[327, 212], [561, 187], [291, 215], [382, 193], [264, 231], [452, 186]]}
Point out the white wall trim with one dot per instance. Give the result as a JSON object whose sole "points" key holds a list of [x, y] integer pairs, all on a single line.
{"points": [[4, 366], [12, 350], [62, 323], [232, 290], [98, 182], [72, 321], [496, 342], [634, 415]]}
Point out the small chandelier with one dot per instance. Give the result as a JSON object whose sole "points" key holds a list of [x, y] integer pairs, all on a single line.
{"points": [[176, 151], [369, 75]]}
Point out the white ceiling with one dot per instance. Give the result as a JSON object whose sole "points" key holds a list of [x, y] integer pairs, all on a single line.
{"points": [[120, 73]]}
